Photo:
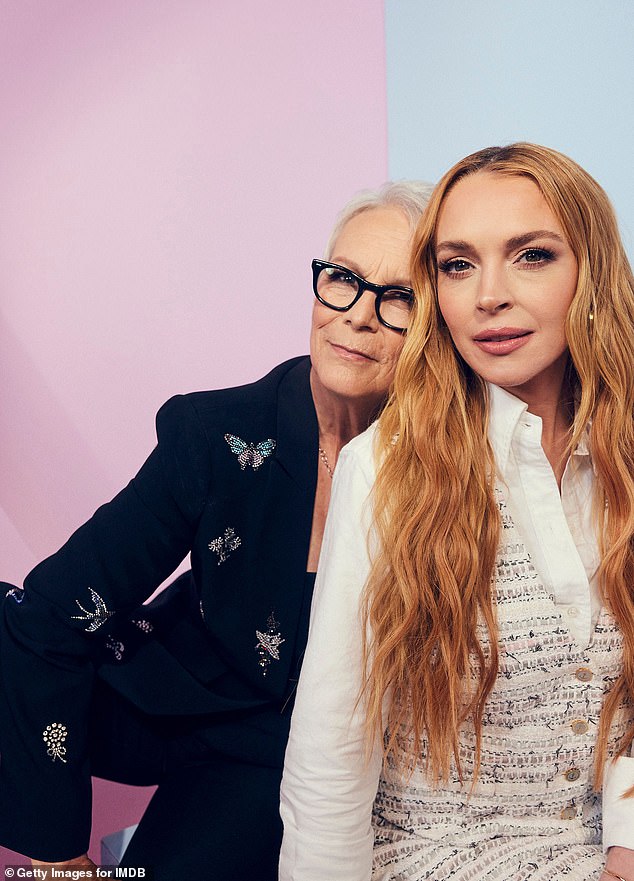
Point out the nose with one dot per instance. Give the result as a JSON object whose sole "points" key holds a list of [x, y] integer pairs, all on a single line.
{"points": [[493, 291], [362, 316]]}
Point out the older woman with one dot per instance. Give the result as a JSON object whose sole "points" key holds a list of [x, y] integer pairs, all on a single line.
{"points": [[195, 690], [490, 660]]}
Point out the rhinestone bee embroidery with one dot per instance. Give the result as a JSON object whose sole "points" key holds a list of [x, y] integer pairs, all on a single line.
{"points": [[250, 454], [54, 736], [224, 545], [268, 644], [96, 618], [16, 594]]}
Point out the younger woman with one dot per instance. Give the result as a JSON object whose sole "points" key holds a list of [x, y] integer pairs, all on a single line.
{"points": [[491, 653]]}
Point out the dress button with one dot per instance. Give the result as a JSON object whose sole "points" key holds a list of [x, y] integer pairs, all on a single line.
{"points": [[579, 726], [572, 774], [573, 611], [584, 674], [569, 813]]}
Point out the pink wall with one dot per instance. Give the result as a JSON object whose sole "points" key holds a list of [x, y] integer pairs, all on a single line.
{"points": [[167, 170]]}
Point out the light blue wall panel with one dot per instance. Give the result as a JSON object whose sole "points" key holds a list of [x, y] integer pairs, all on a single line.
{"points": [[465, 74]]}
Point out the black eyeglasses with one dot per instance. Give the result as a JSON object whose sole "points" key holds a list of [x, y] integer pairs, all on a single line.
{"points": [[340, 288]]}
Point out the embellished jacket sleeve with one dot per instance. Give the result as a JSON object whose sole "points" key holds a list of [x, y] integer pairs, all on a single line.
{"points": [[50, 627]]}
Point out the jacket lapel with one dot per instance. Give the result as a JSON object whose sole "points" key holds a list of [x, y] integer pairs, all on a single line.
{"points": [[253, 598], [286, 526]]}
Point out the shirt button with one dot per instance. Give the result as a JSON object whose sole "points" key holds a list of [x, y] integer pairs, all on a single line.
{"points": [[579, 726], [573, 611], [572, 774], [569, 813], [584, 674]]}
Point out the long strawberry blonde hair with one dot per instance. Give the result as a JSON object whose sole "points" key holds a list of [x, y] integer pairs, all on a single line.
{"points": [[434, 509]]}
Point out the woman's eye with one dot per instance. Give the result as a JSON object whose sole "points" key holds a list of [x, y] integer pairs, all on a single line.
{"points": [[337, 276], [454, 268], [535, 256]]}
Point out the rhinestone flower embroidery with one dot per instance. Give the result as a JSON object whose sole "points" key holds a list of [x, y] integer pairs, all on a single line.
{"points": [[143, 625], [224, 545], [268, 644], [116, 647], [96, 618], [54, 736], [250, 454]]}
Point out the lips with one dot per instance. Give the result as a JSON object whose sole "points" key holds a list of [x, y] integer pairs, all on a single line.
{"points": [[500, 334], [502, 340], [351, 354]]}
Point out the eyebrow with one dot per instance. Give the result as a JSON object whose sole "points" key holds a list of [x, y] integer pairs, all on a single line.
{"points": [[350, 264], [528, 237], [511, 244]]}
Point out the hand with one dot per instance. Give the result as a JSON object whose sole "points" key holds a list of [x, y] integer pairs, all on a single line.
{"points": [[621, 861], [83, 862]]}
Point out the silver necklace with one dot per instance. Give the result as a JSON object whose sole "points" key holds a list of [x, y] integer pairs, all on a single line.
{"points": [[324, 459]]}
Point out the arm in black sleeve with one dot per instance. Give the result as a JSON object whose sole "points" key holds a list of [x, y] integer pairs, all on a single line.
{"points": [[48, 629]]}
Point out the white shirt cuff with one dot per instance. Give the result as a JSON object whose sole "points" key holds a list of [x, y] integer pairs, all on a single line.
{"points": [[618, 812]]}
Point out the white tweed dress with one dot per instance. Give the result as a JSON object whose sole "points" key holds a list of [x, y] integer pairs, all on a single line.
{"points": [[533, 813]]}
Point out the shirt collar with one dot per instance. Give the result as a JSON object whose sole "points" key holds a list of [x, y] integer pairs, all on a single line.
{"points": [[505, 411]]}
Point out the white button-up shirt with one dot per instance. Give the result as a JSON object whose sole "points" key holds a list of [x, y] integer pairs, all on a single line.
{"points": [[557, 528]]}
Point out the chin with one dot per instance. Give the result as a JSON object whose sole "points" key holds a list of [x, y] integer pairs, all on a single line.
{"points": [[506, 376], [357, 390], [350, 391]]}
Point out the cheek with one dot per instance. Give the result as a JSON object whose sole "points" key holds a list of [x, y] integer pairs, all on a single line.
{"points": [[449, 310], [393, 346], [321, 316], [562, 294], [557, 305], [568, 300]]}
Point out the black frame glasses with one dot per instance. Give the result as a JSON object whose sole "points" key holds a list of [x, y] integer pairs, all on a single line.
{"points": [[379, 291]]}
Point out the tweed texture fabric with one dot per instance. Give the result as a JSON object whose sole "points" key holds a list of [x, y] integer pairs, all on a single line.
{"points": [[533, 813]]}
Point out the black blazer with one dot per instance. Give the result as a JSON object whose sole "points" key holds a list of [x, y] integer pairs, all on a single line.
{"points": [[232, 480]]}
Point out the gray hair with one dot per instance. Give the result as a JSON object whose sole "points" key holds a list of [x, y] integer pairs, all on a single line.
{"points": [[409, 196]]}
